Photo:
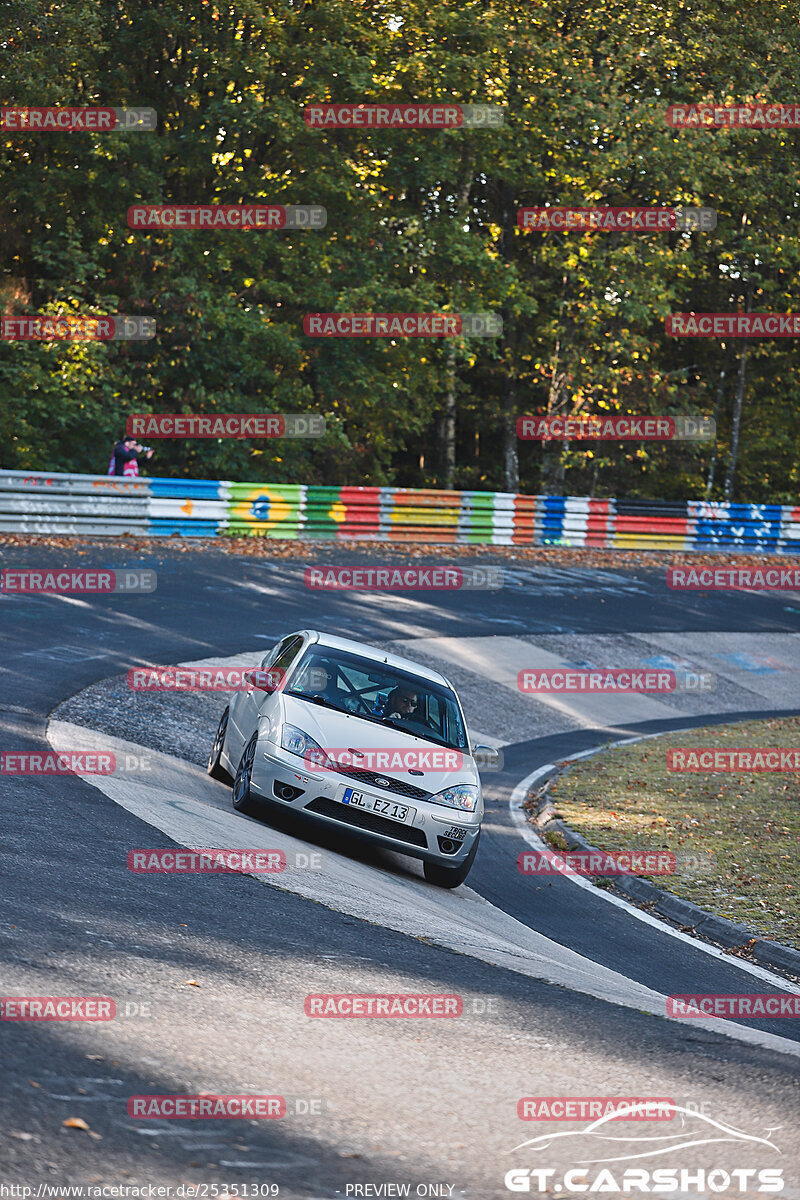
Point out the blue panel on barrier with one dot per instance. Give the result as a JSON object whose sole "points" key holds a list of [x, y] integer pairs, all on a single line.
{"points": [[164, 526], [757, 534], [190, 489]]}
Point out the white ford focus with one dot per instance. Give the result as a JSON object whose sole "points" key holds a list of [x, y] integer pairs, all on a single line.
{"points": [[361, 740]]}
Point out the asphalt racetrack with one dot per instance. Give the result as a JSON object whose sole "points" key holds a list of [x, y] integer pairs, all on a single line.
{"points": [[563, 988]]}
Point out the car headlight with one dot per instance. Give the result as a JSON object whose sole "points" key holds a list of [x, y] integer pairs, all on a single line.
{"points": [[463, 796], [297, 742]]}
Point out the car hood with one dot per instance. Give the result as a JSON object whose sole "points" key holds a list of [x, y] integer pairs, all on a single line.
{"points": [[337, 731]]}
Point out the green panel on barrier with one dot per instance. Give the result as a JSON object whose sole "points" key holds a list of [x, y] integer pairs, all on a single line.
{"points": [[477, 517], [268, 510], [324, 511]]}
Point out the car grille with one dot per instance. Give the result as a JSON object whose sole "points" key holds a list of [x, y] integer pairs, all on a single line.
{"points": [[370, 778], [366, 820]]}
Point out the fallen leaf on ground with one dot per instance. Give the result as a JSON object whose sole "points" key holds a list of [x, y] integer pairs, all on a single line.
{"points": [[75, 1123]]}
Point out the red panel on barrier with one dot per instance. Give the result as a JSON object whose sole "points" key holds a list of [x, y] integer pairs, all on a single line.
{"points": [[361, 511], [673, 525]]}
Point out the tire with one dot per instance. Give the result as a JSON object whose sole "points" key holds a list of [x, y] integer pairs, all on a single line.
{"points": [[451, 877], [214, 767], [243, 800]]}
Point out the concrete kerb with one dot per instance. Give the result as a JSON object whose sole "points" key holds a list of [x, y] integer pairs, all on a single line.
{"points": [[689, 916]]}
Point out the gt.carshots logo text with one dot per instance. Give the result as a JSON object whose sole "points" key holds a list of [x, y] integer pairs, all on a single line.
{"points": [[390, 758], [225, 425], [402, 324], [77, 120], [597, 862], [206, 1107], [237, 217], [404, 579], [604, 1170], [73, 581], [594, 427], [203, 679], [561, 218], [733, 579], [415, 117], [57, 1008], [347, 1004]]}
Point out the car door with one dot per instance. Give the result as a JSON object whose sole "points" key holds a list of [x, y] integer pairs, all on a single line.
{"points": [[251, 701], [241, 715]]}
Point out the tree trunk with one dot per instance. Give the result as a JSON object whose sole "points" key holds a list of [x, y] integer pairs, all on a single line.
{"points": [[737, 405], [712, 467], [737, 418], [448, 426], [449, 420]]}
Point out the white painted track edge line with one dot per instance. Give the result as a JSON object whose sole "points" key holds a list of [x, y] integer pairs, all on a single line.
{"points": [[524, 827]]}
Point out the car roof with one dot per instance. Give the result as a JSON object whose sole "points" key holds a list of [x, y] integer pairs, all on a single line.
{"points": [[384, 656]]}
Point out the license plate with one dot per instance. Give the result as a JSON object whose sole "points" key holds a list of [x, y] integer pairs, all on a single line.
{"points": [[456, 833], [383, 808]]}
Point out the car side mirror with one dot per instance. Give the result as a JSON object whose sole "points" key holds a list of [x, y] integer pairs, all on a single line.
{"points": [[262, 681], [486, 756]]}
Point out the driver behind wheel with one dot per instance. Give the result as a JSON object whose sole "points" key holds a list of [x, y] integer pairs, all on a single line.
{"points": [[401, 704]]}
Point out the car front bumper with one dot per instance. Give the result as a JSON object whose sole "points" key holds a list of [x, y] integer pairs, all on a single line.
{"points": [[424, 838]]}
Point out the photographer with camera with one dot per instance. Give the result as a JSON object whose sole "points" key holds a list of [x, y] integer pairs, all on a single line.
{"points": [[125, 456]]}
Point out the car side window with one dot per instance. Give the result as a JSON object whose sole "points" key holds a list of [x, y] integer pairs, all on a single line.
{"points": [[269, 658], [287, 653]]}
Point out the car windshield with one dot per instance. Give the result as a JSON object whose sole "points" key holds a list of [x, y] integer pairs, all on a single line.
{"points": [[379, 693]]}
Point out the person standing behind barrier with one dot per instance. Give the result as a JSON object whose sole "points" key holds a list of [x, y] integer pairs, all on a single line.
{"points": [[125, 456]]}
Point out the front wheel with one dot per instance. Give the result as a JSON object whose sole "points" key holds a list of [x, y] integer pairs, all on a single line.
{"points": [[451, 877], [243, 799], [215, 768]]}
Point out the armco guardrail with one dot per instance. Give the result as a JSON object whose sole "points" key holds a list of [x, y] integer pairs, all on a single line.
{"points": [[39, 502]]}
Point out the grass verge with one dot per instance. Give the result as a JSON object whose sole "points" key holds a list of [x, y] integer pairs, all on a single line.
{"points": [[740, 832]]}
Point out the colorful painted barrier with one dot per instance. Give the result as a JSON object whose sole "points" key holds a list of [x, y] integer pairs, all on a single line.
{"points": [[43, 502]]}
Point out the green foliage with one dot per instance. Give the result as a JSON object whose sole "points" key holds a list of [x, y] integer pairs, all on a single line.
{"points": [[416, 222]]}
